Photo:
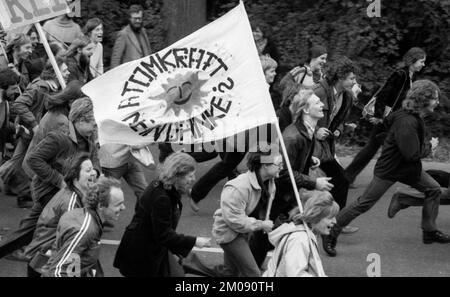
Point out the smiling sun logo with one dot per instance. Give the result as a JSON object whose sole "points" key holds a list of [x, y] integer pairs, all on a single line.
{"points": [[183, 92]]}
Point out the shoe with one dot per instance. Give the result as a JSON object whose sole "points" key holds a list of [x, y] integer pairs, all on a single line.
{"points": [[349, 230], [395, 206], [329, 245], [18, 255], [435, 236], [193, 205]]}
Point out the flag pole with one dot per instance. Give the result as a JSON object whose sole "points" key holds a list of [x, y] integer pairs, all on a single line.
{"points": [[288, 165], [50, 55]]}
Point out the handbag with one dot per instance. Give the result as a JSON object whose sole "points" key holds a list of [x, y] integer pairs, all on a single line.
{"points": [[369, 109]]}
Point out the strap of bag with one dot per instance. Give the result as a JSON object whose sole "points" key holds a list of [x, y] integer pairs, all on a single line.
{"points": [[398, 95], [304, 75], [282, 252]]}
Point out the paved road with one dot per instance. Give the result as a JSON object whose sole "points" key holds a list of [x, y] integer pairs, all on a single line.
{"points": [[397, 241]]}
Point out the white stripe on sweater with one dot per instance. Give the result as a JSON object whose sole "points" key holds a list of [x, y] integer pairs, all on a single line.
{"points": [[73, 244], [72, 201]]}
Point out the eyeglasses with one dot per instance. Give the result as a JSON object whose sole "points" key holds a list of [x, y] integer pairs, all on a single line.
{"points": [[279, 165]]}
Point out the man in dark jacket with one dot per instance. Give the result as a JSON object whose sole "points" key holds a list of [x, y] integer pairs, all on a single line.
{"points": [[50, 160], [335, 93], [400, 160]]}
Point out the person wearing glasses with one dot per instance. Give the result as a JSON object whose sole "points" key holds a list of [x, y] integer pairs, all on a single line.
{"points": [[132, 42], [307, 110], [243, 205]]}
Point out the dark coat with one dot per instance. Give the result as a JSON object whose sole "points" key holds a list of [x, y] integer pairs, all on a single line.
{"points": [[299, 148], [53, 156], [128, 48], [143, 250], [30, 105], [77, 72], [390, 91], [326, 94], [284, 116], [403, 148]]}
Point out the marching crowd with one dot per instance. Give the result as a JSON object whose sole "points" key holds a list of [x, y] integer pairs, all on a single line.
{"points": [[72, 184]]}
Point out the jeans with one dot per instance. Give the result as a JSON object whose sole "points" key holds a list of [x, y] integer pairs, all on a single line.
{"points": [[238, 258], [377, 187], [340, 190], [132, 172], [24, 234], [366, 154], [12, 173], [260, 245], [219, 171]]}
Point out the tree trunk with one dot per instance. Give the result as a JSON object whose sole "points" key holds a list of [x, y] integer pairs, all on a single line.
{"points": [[183, 17]]}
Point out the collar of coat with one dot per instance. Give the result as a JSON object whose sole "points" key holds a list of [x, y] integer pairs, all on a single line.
{"points": [[255, 185], [134, 39]]}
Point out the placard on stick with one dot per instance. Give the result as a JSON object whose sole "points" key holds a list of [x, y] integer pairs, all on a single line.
{"points": [[18, 13]]}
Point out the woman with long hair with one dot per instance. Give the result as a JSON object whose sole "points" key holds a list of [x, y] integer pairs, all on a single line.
{"points": [[296, 251], [150, 242], [389, 98], [400, 161]]}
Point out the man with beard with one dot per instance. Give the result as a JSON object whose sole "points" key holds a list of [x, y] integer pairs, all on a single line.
{"points": [[18, 51], [132, 41], [78, 55], [29, 108], [63, 29]]}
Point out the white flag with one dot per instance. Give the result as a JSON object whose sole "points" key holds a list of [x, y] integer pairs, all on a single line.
{"points": [[207, 86]]}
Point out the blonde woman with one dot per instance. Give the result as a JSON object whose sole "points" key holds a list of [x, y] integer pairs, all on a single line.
{"points": [[150, 241], [296, 250]]}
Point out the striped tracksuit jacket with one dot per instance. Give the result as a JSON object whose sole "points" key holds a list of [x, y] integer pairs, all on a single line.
{"points": [[77, 245]]}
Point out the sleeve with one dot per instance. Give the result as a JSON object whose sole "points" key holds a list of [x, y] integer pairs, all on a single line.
{"points": [[22, 107], [47, 150], [387, 95], [233, 204], [79, 33], [294, 148], [297, 255], [118, 49], [407, 140], [162, 217]]}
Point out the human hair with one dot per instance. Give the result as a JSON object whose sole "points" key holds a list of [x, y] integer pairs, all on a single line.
{"points": [[81, 110], [74, 171], [175, 166], [99, 193], [340, 68], [79, 43], [319, 206], [413, 55], [48, 73], [419, 95], [263, 154], [90, 25], [267, 63], [265, 29], [300, 102], [289, 92], [8, 78], [17, 41], [135, 8]]}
